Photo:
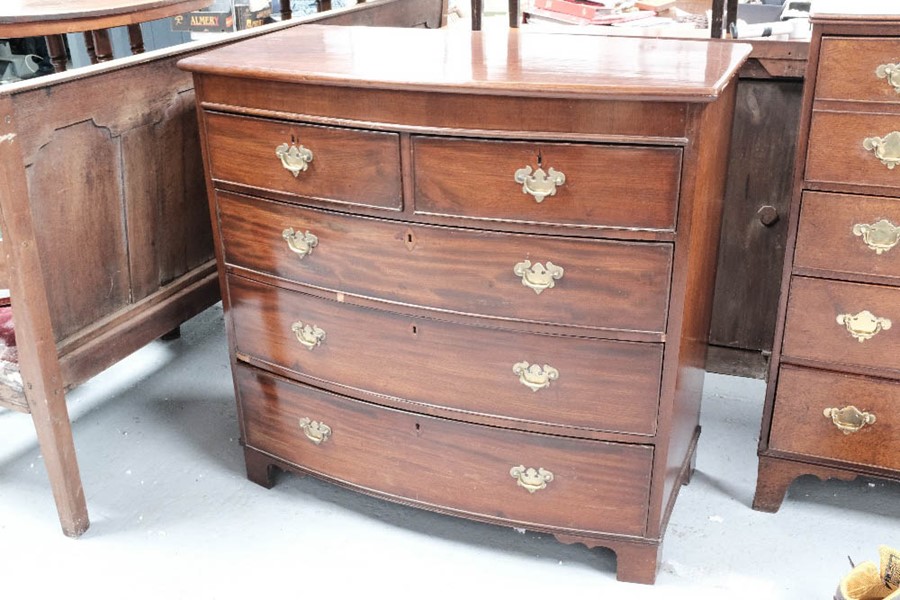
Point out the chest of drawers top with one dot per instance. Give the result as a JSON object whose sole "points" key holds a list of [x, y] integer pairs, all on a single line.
{"points": [[497, 63]]}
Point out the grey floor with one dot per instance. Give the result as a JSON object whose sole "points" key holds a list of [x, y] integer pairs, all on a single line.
{"points": [[174, 517]]}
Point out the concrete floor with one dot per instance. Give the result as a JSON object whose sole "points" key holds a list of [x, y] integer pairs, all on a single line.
{"points": [[174, 517]]}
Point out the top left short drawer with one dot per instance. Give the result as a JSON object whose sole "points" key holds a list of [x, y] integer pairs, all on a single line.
{"points": [[331, 164]]}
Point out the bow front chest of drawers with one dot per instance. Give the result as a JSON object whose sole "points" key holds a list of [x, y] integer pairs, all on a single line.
{"points": [[471, 272], [833, 401]]}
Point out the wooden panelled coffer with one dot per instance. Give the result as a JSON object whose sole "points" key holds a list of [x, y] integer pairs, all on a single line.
{"points": [[471, 272], [833, 400]]}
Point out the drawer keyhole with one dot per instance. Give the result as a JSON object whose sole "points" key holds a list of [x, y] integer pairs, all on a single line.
{"points": [[409, 240]]}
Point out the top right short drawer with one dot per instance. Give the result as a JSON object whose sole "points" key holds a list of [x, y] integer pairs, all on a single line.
{"points": [[863, 69]]}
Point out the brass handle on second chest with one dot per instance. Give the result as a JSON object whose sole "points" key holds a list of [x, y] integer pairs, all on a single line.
{"points": [[539, 184], [301, 244], [880, 236], [294, 159], [538, 277], [864, 325], [849, 419], [531, 479], [535, 377], [308, 335], [891, 72], [315, 431], [886, 149]]}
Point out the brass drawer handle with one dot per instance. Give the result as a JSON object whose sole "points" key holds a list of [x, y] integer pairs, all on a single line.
{"points": [[315, 431], [535, 377], [531, 479], [294, 159], [301, 244], [308, 335], [880, 236], [886, 149], [891, 72], [864, 326], [849, 419], [537, 276], [538, 183]]}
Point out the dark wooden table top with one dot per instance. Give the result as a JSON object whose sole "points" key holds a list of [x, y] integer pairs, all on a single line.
{"points": [[25, 18], [485, 62]]}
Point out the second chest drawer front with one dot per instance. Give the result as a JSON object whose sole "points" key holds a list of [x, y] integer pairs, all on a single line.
{"points": [[590, 384], [865, 430], [347, 166], [604, 185], [849, 234], [844, 323], [593, 486], [614, 285], [859, 69], [839, 149]]}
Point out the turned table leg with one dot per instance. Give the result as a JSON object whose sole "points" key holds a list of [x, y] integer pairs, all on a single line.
{"points": [[136, 38], [56, 50], [102, 45]]}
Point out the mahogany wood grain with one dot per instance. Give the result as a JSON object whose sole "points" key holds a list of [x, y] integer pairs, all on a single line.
{"points": [[800, 427], [836, 152], [690, 308], [813, 333], [826, 241], [604, 185], [605, 285], [349, 166], [425, 461], [378, 108], [493, 63], [847, 69], [602, 386]]}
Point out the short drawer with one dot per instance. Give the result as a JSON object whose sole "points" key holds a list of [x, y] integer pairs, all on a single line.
{"points": [[604, 185], [836, 416], [849, 234], [348, 166], [467, 469], [842, 149], [602, 284], [865, 69], [472, 371], [844, 323]]}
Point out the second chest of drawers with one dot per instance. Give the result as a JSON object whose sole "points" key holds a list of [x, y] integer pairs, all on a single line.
{"points": [[834, 391]]}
